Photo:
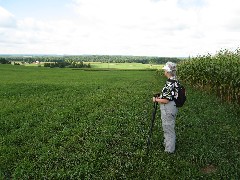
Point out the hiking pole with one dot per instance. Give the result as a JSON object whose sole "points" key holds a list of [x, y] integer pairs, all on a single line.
{"points": [[152, 123]]}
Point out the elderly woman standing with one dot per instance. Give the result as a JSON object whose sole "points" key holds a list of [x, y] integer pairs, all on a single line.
{"points": [[168, 107]]}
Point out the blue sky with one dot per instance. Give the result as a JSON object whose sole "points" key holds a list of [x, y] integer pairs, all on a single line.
{"points": [[42, 9], [122, 27]]}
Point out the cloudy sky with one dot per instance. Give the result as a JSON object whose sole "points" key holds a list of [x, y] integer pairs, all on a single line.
{"points": [[173, 28]]}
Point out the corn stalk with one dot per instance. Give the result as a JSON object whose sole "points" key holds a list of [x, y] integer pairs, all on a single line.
{"points": [[219, 74]]}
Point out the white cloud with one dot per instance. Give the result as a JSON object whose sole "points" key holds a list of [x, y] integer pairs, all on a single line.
{"points": [[136, 27]]}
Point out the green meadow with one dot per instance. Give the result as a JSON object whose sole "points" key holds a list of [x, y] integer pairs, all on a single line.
{"points": [[80, 124], [128, 66], [125, 66]]}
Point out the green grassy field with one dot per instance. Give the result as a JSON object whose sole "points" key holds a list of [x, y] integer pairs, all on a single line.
{"points": [[125, 66], [68, 124], [116, 65]]}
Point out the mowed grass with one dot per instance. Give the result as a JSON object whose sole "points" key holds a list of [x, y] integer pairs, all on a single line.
{"points": [[125, 66], [68, 124], [111, 66]]}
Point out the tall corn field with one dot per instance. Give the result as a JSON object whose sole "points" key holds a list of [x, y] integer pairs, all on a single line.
{"points": [[219, 74]]}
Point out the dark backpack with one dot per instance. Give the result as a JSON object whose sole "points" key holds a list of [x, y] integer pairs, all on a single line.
{"points": [[181, 98]]}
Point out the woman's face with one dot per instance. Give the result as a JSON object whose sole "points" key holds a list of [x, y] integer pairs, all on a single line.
{"points": [[165, 73]]}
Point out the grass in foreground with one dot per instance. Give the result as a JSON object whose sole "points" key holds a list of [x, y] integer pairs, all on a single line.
{"points": [[60, 123]]}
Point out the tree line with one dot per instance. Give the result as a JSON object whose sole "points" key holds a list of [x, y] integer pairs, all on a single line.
{"points": [[68, 64], [4, 61], [92, 58]]}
